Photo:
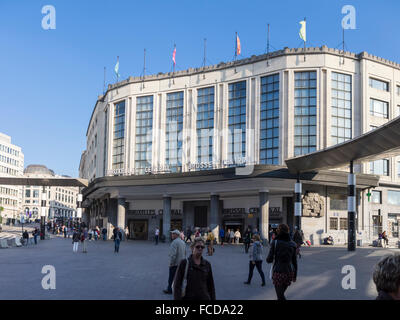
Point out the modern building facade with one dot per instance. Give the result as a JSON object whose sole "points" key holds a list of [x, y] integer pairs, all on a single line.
{"points": [[11, 165], [61, 202], [259, 111]]}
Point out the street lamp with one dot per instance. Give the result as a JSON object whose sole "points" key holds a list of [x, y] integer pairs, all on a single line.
{"points": [[43, 214], [79, 209]]}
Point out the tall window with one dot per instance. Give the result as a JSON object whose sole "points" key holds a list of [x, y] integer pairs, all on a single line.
{"points": [[376, 196], [378, 108], [378, 84], [173, 151], [269, 117], [144, 124], [398, 90], [379, 167], [105, 141], [305, 112], [237, 122], [393, 197], [119, 134], [341, 108], [205, 124]]}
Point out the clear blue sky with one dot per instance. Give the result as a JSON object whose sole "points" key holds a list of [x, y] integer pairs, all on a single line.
{"points": [[50, 79]]}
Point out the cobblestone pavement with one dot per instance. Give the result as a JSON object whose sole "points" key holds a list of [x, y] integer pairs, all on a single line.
{"points": [[9, 232], [140, 271]]}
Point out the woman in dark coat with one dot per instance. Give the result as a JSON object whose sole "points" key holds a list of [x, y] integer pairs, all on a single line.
{"points": [[194, 281], [283, 254]]}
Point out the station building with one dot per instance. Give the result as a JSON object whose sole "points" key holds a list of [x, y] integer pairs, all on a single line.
{"points": [[206, 147]]}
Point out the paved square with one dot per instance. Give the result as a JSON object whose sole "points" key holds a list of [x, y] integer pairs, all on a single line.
{"points": [[140, 271]]}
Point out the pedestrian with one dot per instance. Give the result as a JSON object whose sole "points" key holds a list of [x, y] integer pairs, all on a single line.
{"points": [[156, 235], [126, 233], [84, 240], [188, 235], [385, 239], [25, 236], [197, 233], [104, 233], [96, 233], [298, 239], [222, 236], [237, 236], [182, 235], [35, 234], [386, 276], [177, 252], [117, 239], [76, 237], [65, 231], [231, 236], [272, 235], [283, 256], [256, 258], [248, 235], [210, 243], [196, 272]]}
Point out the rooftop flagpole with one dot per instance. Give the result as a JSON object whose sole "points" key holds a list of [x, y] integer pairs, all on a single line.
{"points": [[268, 46]]}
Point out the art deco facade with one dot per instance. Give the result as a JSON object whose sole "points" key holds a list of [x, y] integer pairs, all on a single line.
{"points": [[261, 110]]}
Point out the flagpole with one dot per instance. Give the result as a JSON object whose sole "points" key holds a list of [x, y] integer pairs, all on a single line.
{"points": [[204, 60], [235, 50], [117, 72], [144, 66], [268, 46], [343, 44], [305, 42], [104, 81], [173, 74]]}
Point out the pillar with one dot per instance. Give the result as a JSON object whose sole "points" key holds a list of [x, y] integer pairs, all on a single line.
{"points": [[264, 214], [167, 217], [121, 214], [351, 207], [297, 203], [214, 211]]}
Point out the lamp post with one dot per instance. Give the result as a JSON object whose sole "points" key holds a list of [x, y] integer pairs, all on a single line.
{"points": [[79, 208], [43, 215]]}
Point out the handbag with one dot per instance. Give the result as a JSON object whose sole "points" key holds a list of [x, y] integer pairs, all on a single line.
{"points": [[184, 280], [273, 262]]}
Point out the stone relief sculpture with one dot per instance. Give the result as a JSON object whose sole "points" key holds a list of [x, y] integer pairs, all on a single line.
{"points": [[313, 205]]}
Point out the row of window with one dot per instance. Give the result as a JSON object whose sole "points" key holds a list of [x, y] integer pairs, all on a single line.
{"points": [[9, 150], [8, 191], [8, 201], [334, 225], [9, 171], [382, 85], [393, 197], [9, 160], [305, 113]]}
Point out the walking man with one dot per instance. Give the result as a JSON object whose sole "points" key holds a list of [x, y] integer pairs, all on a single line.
{"points": [[222, 236], [84, 239], [177, 252], [75, 240], [117, 239], [157, 235], [104, 233]]}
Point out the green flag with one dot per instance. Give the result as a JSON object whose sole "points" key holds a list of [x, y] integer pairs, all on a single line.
{"points": [[302, 32]]}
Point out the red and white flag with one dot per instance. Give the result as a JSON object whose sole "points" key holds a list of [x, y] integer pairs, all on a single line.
{"points": [[173, 56], [237, 45]]}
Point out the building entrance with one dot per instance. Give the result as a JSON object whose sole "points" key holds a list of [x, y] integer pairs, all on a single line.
{"points": [[237, 224], [200, 217], [138, 229]]}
